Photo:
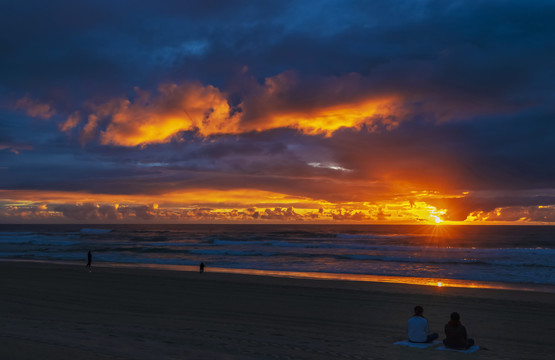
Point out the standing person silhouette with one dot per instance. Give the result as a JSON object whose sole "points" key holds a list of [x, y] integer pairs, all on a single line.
{"points": [[89, 260], [201, 267]]}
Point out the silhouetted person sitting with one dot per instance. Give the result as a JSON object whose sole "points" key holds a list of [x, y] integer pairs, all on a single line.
{"points": [[201, 267], [455, 334], [89, 260], [418, 328]]}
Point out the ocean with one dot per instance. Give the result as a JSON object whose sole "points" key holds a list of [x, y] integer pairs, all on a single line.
{"points": [[520, 257]]}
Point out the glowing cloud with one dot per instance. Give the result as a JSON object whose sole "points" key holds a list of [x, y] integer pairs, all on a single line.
{"points": [[317, 106], [326, 120], [35, 108], [71, 122], [155, 119], [203, 205]]}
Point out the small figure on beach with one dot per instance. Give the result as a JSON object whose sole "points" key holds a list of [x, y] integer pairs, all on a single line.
{"points": [[419, 331], [455, 334], [201, 267], [89, 260]]}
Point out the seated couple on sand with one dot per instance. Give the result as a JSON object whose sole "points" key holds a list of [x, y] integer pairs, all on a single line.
{"points": [[455, 332]]}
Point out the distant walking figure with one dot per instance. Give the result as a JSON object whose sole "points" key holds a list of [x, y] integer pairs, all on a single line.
{"points": [[89, 260], [201, 267], [418, 328], [455, 334]]}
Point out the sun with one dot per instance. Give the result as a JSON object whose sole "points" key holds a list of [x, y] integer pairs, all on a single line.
{"points": [[435, 215]]}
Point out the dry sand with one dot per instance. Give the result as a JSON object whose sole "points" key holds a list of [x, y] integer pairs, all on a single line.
{"points": [[64, 312]]}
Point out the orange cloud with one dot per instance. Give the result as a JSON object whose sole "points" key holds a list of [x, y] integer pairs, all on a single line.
{"points": [[330, 104], [14, 147], [186, 198], [157, 118], [510, 214], [328, 119], [35, 108], [71, 122]]}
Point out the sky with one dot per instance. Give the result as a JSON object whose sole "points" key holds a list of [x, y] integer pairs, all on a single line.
{"points": [[332, 111]]}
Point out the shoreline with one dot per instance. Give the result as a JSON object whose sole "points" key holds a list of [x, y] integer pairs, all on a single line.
{"points": [[402, 280]]}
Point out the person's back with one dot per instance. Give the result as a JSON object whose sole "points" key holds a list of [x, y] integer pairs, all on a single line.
{"points": [[418, 328], [455, 334]]}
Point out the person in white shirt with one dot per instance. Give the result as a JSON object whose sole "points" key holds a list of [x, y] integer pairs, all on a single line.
{"points": [[418, 328]]}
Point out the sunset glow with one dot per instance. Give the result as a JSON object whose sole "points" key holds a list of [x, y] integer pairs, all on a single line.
{"points": [[244, 205], [356, 115]]}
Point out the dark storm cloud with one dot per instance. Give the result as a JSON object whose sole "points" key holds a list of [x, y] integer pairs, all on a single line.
{"points": [[90, 48], [61, 48]]}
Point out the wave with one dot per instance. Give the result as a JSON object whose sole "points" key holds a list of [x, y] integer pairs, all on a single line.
{"points": [[94, 231], [374, 236], [231, 252], [241, 242], [172, 243], [37, 240], [155, 239], [288, 244], [410, 248], [140, 249], [515, 262], [17, 233]]}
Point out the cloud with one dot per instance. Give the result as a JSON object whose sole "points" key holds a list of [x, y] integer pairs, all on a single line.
{"points": [[530, 214], [35, 108], [147, 119], [14, 148], [315, 105], [280, 214], [88, 212], [498, 205], [154, 119], [351, 216], [151, 213], [231, 206], [71, 122]]}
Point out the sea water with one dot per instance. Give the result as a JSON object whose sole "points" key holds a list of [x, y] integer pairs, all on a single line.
{"points": [[503, 254]]}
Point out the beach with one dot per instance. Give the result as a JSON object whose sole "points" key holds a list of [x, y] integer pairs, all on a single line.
{"points": [[65, 312]]}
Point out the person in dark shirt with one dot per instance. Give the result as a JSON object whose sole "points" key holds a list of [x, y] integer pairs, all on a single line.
{"points": [[89, 259], [201, 267], [455, 334]]}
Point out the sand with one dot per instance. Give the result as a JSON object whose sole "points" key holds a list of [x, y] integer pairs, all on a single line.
{"points": [[64, 312]]}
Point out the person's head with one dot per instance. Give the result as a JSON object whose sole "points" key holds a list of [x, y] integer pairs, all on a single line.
{"points": [[418, 310], [455, 317]]}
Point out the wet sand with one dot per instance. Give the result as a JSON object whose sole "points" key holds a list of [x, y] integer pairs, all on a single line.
{"points": [[64, 312]]}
